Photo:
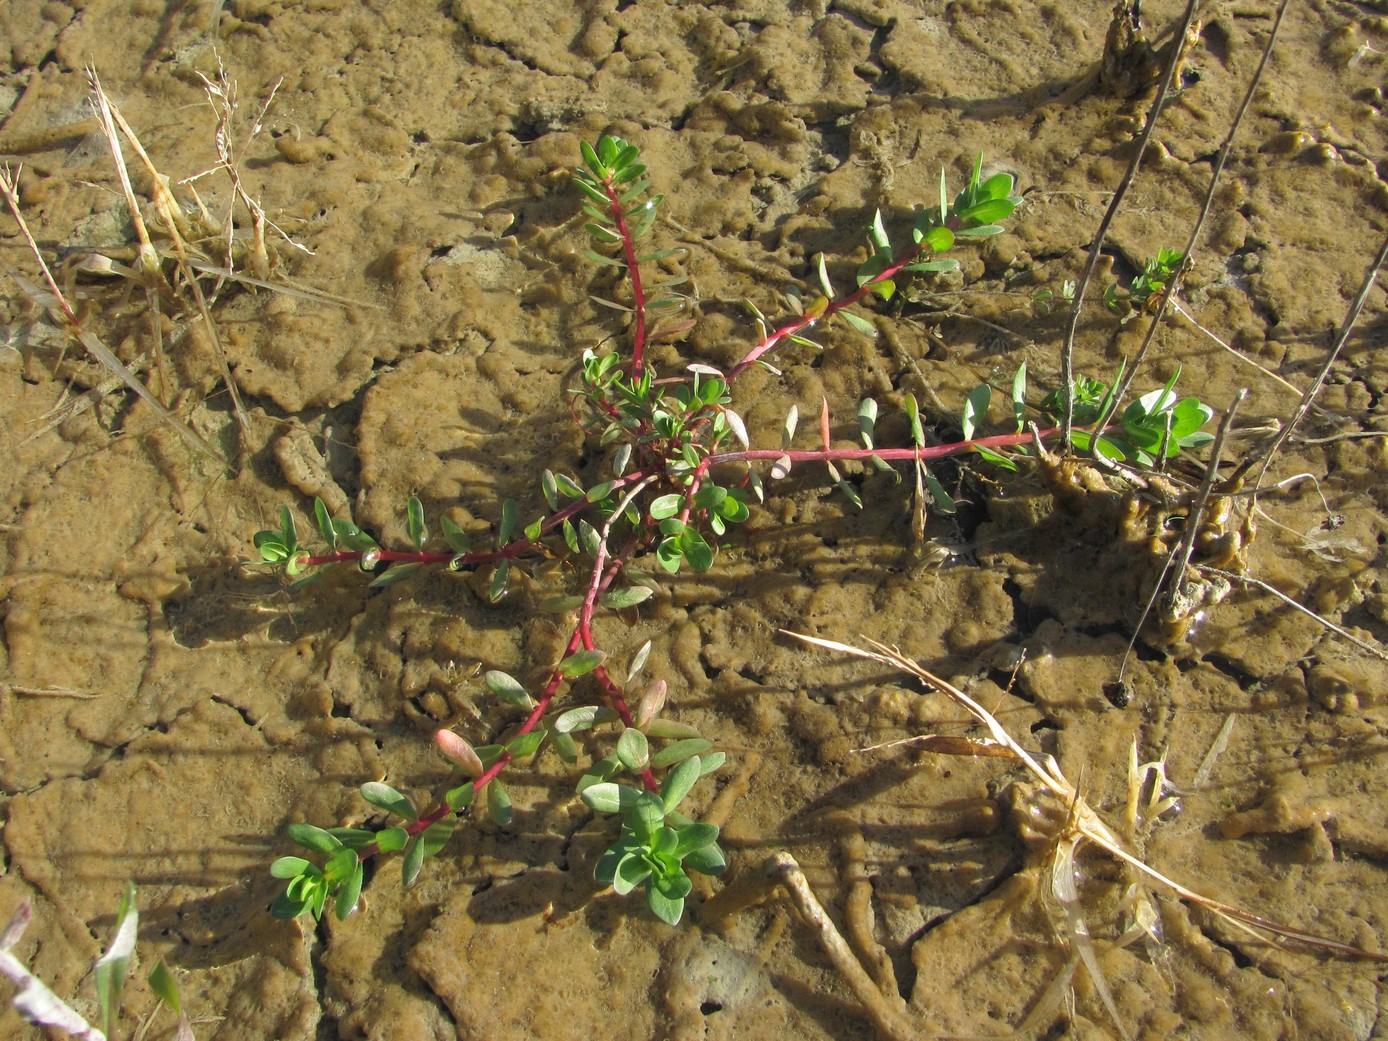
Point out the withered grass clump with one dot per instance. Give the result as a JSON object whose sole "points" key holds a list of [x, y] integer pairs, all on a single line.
{"points": [[184, 256]]}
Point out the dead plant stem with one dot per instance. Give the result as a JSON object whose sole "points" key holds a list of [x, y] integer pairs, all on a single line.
{"points": [[1169, 297], [1067, 349]]}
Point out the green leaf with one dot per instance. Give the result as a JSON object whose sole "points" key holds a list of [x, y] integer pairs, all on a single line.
{"points": [[976, 409], [272, 549], [348, 893], [633, 750], [823, 273], [508, 689], [414, 521], [680, 751], [877, 235], [352, 537], [581, 718], [913, 414], [933, 266], [581, 663], [352, 838], [696, 550], [565, 746], [325, 523], [632, 870], [944, 502], [497, 589], [590, 539], [389, 840], [286, 908], [711, 762], [666, 506], [679, 781], [668, 910], [287, 533], [988, 455], [455, 536], [873, 267], [525, 745], [111, 969], [165, 987], [638, 661], [999, 186], [508, 522], [383, 796], [313, 838], [694, 837], [604, 797], [669, 729], [289, 867], [990, 211], [460, 798], [867, 420], [393, 574], [707, 860], [629, 596], [1188, 416], [436, 836], [411, 863], [937, 239], [499, 803], [858, 323], [590, 160], [644, 816], [1019, 394]]}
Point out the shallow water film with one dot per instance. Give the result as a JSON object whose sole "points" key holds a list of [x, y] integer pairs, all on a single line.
{"points": [[401, 298]]}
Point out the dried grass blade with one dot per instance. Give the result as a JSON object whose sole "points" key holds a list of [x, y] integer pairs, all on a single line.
{"points": [[171, 214], [1063, 888], [1086, 820]]}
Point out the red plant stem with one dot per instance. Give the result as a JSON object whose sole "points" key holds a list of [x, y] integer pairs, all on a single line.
{"points": [[806, 321], [638, 294], [829, 455]]}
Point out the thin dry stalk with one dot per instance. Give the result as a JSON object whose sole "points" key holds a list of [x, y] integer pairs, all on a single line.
{"points": [[1376, 651], [1067, 349], [1179, 557], [148, 270], [1084, 819], [1168, 298], [1267, 451], [48, 692], [1179, 307]]}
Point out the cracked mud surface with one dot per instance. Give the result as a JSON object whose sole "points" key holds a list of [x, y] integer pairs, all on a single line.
{"points": [[165, 714]]}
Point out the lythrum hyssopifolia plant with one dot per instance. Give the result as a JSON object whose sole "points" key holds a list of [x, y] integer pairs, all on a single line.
{"points": [[680, 473]]}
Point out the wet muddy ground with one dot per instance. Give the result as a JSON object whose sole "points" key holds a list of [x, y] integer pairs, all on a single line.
{"points": [[166, 713]]}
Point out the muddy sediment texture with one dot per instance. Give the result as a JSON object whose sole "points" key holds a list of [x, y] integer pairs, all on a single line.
{"points": [[166, 713]]}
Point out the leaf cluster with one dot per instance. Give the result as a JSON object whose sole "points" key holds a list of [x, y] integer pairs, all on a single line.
{"points": [[975, 213], [1148, 287], [1157, 426], [657, 846]]}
